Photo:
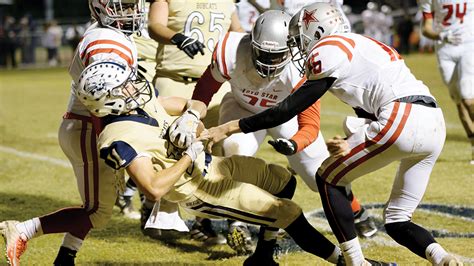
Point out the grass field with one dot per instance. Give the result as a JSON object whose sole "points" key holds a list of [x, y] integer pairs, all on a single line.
{"points": [[35, 179]]}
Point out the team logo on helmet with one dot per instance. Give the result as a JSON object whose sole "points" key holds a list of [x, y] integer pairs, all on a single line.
{"points": [[308, 17]]}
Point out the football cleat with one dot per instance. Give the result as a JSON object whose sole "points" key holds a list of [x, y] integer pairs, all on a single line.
{"points": [[240, 239], [364, 224], [202, 231], [450, 260], [264, 254], [126, 207], [15, 243]]}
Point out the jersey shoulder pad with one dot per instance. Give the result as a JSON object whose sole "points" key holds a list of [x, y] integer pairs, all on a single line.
{"points": [[329, 57], [119, 154], [104, 43], [224, 56]]}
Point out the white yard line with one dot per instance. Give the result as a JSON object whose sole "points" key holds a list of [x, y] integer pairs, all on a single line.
{"points": [[34, 156]]}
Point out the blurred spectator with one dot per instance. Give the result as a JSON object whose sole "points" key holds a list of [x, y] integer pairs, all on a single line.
{"points": [[404, 30], [11, 40], [386, 23], [3, 49], [52, 41], [25, 38], [249, 10], [73, 35], [369, 19]]}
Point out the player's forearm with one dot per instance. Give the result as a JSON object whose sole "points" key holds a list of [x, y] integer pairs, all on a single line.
{"points": [[427, 29], [165, 179], [235, 23], [292, 105], [158, 21], [206, 87], [198, 106], [308, 127]]}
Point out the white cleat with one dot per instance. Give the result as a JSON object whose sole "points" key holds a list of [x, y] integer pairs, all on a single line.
{"points": [[15, 244]]}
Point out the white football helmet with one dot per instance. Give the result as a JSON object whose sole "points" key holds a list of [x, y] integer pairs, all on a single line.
{"points": [[107, 87], [312, 23], [270, 53], [127, 16]]}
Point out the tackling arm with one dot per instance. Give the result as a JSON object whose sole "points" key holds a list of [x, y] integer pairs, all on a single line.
{"points": [[292, 105], [156, 184], [206, 87], [308, 126], [158, 21]]}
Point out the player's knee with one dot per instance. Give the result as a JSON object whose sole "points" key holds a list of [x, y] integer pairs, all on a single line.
{"points": [[289, 190], [287, 211], [100, 218], [394, 214]]}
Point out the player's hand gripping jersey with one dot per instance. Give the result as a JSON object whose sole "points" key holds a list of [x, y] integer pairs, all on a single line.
{"points": [[99, 43], [188, 17], [367, 82], [232, 62], [456, 16]]}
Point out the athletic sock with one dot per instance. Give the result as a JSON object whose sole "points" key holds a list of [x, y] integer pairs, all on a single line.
{"points": [[352, 252], [72, 242], [435, 253], [30, 228], [270, 233], [130, 188], [334, 258]]}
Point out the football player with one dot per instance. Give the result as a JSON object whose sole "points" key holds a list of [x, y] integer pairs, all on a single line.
{"points": [[260, 74], [186, 32], [408, 126], [109, 37], [451, 25], [137, 125]]}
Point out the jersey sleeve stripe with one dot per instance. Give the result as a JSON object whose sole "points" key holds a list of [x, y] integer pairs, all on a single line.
{"points": [[336, 43], [427, 15], [348, 40], [224, 65], [91, 44], [108, 51]]}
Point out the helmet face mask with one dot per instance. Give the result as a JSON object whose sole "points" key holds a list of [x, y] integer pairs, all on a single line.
{"points": [[127, 16], [109, 88], [269, 49]]}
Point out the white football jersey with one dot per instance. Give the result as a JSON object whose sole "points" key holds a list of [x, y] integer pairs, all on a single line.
{"points": [[97, 44], [251, 91], [451, 15], [369, 74]]}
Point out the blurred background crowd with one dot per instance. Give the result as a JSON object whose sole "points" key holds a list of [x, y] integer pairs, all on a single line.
{"points": [[43, 33]]}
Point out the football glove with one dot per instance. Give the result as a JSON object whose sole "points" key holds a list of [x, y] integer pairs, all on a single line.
{"points": [[187, 44], [194, 150], [284, 146], [448, 36], [183, 129]]}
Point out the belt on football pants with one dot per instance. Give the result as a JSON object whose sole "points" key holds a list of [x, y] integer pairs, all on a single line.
{"points": [[419, 99], [69, 115]]}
